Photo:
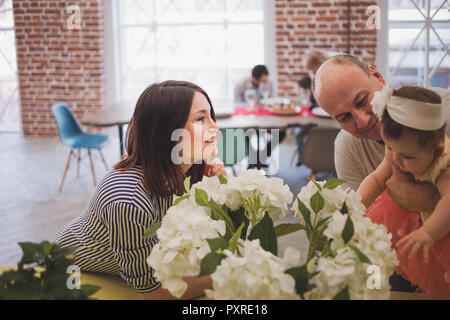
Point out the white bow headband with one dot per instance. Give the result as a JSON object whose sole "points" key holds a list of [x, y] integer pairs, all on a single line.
{"points": [[418, 115]]}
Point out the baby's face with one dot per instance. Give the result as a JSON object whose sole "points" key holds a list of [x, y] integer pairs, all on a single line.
{"points": [[406, 153]]}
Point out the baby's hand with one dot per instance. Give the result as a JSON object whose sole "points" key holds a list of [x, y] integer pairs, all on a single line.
{"points": [[415, 241]]}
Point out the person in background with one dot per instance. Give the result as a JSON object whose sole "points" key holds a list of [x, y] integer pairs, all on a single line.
{"points": [[314, 60], [305, 95], [259, 81]]}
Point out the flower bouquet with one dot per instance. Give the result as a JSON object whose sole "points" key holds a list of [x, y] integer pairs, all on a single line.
{"points": [[224, 228]]}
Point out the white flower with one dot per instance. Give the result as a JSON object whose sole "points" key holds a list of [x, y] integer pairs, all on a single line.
{"points": [[346, 270], [212, 186], [333, 200], [257, 274], [380, 100], [183, 244], [265, 194]]}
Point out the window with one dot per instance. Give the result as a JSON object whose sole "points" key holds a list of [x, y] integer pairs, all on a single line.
{"points": [[9, 96], [419, 42], [213, 43]]}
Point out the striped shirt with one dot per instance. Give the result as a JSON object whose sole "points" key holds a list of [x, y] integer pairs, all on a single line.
{"points": [[109, 234]]}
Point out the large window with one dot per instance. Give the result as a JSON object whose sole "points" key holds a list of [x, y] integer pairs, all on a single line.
{"points": [[419, 43], [213, 43], [9, 95]]}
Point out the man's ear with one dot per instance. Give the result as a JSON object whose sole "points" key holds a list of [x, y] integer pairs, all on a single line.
{"points": [[375, 73]]}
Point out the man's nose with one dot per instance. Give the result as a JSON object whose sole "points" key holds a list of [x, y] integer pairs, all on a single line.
{"points": [[362, 118]]}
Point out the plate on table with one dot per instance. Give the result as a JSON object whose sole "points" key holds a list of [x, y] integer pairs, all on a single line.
{"points": [[318, 111], [285, 110], [274, 101]]}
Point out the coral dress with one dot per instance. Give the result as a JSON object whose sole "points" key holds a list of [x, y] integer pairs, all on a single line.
{"points": [[433, 277]]}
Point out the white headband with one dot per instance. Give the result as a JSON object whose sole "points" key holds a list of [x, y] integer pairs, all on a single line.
{"points": [[418, 115]]}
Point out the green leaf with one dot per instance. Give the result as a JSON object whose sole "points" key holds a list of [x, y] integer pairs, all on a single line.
{"points": [[150, 232], [362, 257], [238, 217], [201, 197], [342, 295], [288, 228], [306, 214], [217, 243], [222, 179], [265, 232], [344, 209], [333, 183], [317, 202], [348, 231], [178, 200], [326, 250], [210, 262], [320, 223], [301, 277], [234, 239], [317, 185], [89, 289], [187, 184]]}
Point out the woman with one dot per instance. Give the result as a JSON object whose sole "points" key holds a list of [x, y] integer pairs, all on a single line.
{"points": [[109, 235]]}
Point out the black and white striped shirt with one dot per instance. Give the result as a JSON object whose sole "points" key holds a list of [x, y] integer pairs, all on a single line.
{"points": [[108, 235]]}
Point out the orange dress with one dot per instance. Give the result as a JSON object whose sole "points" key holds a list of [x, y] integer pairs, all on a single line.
{"points": [[433, 277]]}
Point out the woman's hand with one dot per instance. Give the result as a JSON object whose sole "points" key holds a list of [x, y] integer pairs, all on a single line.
{"points": [[414, 242], [215, 168], [411, 195]]}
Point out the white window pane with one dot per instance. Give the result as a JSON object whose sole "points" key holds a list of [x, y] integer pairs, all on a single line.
{"points": [[189, 11], [136, 11], [245, 10], [404, 10]]}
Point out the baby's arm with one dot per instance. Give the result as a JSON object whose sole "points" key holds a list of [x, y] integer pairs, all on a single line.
{"points": [[438, 224], [374, 184]]}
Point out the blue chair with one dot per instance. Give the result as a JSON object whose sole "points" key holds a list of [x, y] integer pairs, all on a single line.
{"points": [[73, 136]]}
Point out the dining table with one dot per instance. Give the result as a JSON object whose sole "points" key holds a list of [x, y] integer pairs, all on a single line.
{"points": [[116, 114], [228, 115]]}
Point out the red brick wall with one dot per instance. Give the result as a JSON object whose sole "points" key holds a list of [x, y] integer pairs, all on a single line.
{"points": [[318, 24], [56, 63]]}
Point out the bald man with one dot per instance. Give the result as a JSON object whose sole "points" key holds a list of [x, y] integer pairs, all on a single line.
{"points": [[344, 87]]}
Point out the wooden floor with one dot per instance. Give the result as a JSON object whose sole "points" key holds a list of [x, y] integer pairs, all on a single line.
{"points": [[32, 209]]}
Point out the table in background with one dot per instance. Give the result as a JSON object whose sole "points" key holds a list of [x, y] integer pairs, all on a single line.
{"points": [[118, 114]]}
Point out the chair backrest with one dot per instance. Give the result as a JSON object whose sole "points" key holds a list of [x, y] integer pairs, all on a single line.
{"points": [[232, 146], [65, 120], [318, 151]]}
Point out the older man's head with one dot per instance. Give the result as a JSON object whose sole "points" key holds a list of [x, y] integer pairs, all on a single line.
{"points": [[344, 87]]}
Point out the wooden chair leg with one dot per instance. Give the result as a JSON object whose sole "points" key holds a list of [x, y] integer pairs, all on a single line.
{"points": [[65, 170], [234, 171], [92, 167], [103, 159], [78, 165]]}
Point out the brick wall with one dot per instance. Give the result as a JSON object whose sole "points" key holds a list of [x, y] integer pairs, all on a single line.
{"points": [[56, 63], [303, 25]]}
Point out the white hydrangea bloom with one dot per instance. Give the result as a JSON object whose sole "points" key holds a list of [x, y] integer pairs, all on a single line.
{"points": [[183, 244], [272, 193], [257, 274], [346, 270], [334, 200], [212, 186]]}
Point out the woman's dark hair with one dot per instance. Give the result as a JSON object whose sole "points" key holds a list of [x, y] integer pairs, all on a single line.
{"points": [[161, 109], [394, 130]]}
